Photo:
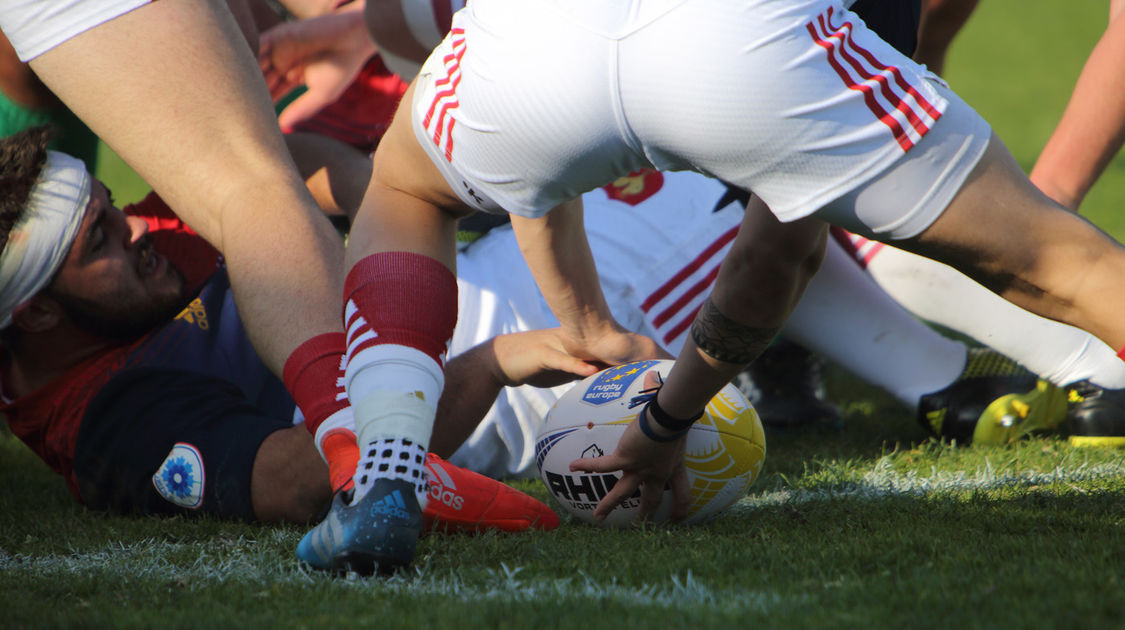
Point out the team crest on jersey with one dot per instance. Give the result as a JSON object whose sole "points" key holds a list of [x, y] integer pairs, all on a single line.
{"points": [[195, 313], [180, 478], [635, 187]]}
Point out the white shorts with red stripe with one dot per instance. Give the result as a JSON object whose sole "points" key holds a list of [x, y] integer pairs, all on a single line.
{"points": [[36, 26], [528, 103], [657, 239]]}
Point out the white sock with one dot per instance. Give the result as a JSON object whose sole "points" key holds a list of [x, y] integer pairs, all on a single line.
{"points": [[391, 388], [847, 318], [1057, 352], [391, 458], [342, 420]]}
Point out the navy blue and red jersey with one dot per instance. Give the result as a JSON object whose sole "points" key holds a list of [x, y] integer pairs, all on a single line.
{"points": [[207, 337]]}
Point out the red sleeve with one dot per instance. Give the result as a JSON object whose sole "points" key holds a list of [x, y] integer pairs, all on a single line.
{"points": [[157, 214], [185, 249]]}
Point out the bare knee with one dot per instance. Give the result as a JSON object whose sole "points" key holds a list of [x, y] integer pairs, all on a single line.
{"points": [[290, 480], [768, 267]]}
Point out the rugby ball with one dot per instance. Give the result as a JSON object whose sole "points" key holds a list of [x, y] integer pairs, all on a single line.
{"points": [[724, 453]]}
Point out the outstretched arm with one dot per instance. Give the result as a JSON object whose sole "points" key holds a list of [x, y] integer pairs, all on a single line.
{"points": [[760, 282], [556, 250], [474, 379], [1092, 128]]}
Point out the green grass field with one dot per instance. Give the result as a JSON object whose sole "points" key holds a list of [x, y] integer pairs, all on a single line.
{"points": [[864, 526]]}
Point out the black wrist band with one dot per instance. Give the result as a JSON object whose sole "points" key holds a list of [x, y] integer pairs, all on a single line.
{"points": [[677, 427], [667, 422], [642, 421]]}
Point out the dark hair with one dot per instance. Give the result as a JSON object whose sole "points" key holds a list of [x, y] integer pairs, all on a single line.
{"points": [[22, 157]]}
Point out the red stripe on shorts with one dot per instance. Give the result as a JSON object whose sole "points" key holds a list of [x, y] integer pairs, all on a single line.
{"points": [[848, 45], [448, 96], [896, 74], [837, 45]]}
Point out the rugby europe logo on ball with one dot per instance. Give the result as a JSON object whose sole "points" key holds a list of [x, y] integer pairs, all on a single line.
{"points": [[724, 453]]}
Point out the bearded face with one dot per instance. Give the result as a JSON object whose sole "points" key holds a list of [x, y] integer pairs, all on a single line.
{"points": [[125, 309], [113, 283]]}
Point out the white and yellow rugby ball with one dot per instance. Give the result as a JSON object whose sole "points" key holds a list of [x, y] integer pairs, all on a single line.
{"points": [[725, 448]]}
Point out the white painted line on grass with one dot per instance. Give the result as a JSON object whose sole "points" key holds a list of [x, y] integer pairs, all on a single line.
{"points": [[883, 481], [146, 562]]}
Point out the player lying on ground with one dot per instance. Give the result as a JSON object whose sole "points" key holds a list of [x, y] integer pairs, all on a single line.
{"points": [[794, 101], [131, 70], [130, 373]]}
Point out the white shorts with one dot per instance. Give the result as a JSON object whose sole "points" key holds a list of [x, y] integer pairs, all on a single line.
{"points": [[36, 26], [528, 103], [658, 240]]}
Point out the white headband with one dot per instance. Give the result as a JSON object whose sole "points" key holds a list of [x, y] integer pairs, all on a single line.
{"points": [[38, 244]]}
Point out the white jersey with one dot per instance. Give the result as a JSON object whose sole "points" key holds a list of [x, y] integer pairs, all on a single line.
{"points": [[528, 103], [36, 26], [657, 239]]}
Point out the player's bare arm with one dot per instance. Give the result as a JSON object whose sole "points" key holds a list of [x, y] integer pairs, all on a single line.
{"points": [[558, 253], [644, 463], [474, 379], [724, 339], [1092, 128], [759, 283]]}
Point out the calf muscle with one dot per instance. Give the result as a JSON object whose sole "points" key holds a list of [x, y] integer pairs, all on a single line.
{"points": [[1002, 232]]}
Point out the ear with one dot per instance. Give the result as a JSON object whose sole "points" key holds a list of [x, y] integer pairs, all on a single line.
{"points": [[39, 314]]}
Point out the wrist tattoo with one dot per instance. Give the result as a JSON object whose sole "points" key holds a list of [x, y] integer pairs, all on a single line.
{"points": [[724, 339]]}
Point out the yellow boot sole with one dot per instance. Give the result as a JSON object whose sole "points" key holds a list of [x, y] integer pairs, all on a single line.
{"points": [[1013, 416]]}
